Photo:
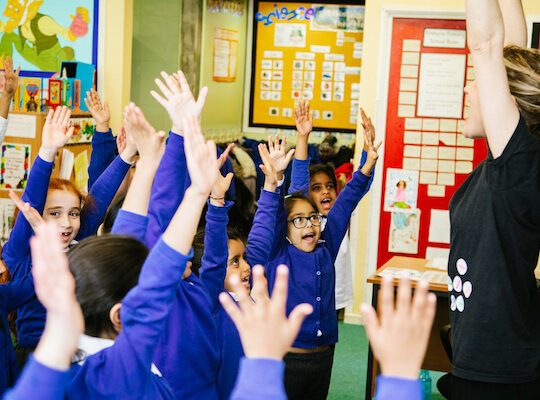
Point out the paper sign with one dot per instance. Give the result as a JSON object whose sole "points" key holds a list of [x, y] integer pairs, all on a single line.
{"points": [[446, 179], [290, 35], [411, 163], [81, 171], [428, 165], [407, 98], [430, 138], [445, 38], [405, 111], [448, 139], [465, 154], [411, 45], [15, 166], [66, 166], [411, 151], [463, 167], [320, 49], [410, 58], [404, 232], [401, 190], [430, 124], [447, 153], [463, 141], [412, 137], [440, 253], [273, 54], [22, 126], [429, 152], [439, 226], [7, 211], [408, 84], [409, 71], [428, 178], [414, 124], [448, 125]]}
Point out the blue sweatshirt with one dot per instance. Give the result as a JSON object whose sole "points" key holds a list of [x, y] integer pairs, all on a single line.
{"points": [[311, 275], [123, 370], [260, 379], [12, 296], [16, 252], [103, 153], [187, 350], [214, 269]]}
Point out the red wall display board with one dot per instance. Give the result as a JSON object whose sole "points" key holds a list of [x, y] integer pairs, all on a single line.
{"points": [[426, 158]]}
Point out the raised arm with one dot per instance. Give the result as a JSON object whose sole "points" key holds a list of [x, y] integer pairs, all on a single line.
{"points": [[10, 86], [56, 133], [168, 190], [300, 168], [103, 141], [515, 28], [499, 114], [132, 219]]}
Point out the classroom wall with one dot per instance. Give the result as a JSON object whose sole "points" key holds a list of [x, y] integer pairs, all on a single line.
{"points": [[156, 48], [368, 99], [224, 105]]}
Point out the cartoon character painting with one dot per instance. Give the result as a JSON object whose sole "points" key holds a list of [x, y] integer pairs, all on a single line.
{"points": [[35, 36]]}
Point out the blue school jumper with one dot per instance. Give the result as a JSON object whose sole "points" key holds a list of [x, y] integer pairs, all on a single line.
{"points": [[214, 270], [39, 382], [187, 353], [16, 253], [122, 371], [311, 275], [103, 153], [12, 295], [261, 379]]}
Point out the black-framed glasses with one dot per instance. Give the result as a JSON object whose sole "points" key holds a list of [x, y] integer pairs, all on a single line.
{"points": [[301, 222]]}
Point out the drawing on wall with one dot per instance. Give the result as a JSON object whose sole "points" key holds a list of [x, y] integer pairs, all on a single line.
{"points": [[404, 232], [338, 18], [40, 34], [15, 166], [7, 211], [401, 190]]}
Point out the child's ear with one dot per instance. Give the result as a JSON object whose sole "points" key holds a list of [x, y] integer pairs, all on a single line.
{"points": [[114, 315]]}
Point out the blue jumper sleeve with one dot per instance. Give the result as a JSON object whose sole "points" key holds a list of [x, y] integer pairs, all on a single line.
{"points": [[363, 159], [103, 153], [145, 310], [260, 379], [131, 224], [168, 188], [216, 251], [340, 213], [389, 387], [300, 176], [18, 245], [39, 382], [280, 229], [17, 293], [102, 194], [261, 235]]}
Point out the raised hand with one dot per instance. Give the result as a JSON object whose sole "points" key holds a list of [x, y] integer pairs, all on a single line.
{"points": [[150, 144], [11, 76], [367, 124], [399, 338], [121, 140], [369, 146], [201, 157], [56, 133], [303, 119], [55, 289], [178, 99], [100, 111], [33, 217], [278, 154], [223, 183], [268, 169], [264, 329]]}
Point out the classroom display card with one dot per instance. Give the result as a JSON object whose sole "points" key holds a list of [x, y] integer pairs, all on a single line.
{"points": [[401, 190], [15, 166], [404, 232]]}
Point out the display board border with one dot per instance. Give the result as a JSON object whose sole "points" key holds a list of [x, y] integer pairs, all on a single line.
{"points": [[248, 125]]}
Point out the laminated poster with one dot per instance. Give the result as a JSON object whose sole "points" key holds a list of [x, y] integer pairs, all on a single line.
{"points": [[15, 166], [81, 171], [401, 191], [404, 232]]}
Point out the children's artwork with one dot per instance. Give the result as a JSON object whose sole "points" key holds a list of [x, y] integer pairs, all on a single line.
{"points": [[225, 55], [338, 18], [40, 35], [81, 171], [401, 190], [7, 211], [15, 166], [290, 35], [404, 232], [84, 130], [32, 94]]}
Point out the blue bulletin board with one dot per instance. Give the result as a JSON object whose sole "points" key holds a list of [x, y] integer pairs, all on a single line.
{"points": [[40, 34]]}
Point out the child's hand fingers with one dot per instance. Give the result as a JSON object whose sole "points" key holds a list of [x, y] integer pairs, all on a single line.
{"points": [[232, 309], [279, 294], [386, 308], [159, 99]]}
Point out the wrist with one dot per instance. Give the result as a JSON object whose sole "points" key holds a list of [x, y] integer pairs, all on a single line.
{"points": [[401, 371], [128, 155], [367, 168], [102, 127], [48, 153], [7, 93], [217, 201], [270, 186], [197, 194], [177, 131]]}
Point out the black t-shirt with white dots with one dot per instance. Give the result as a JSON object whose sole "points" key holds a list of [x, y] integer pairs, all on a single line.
{"points": [[494, 247]]}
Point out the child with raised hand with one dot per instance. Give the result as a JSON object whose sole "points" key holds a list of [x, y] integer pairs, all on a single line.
{"points": [[11, 85], [225, 254], [266, 334], [46, 374], [123, 332], [399, 337], [187, 349], [312, 279], [59, 201], [319, 183]]}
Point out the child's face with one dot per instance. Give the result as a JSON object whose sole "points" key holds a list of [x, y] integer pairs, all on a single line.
{"points": [[401, 185], [64, 209], [323, 192], [237, 265], [305, 238]]}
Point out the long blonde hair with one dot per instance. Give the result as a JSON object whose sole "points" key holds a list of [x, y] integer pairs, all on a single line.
{"points": [[523, 71]]}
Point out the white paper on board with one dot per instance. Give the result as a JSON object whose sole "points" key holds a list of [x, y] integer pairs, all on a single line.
{"points": [[22, 126], [465, 153], [448, 125], [411, 45], [404, 111], [408, 57], [401, 192], [7, 211], [353, 70], [290, 35], [413, 124], [447, 153], [447, 179], [412, 137], [436, 191], [433, 253], [15, 166], [428, 165], [446, 166], [429, 151], [431, 138], [445, 38], [407, 98], [439, 226], [66, 165], [404, 232], [273, 54], [428, 178], [408, 84], [463, 141], [320, 49], [409, 71], [430, 124], [448, 139], [440, 89], [464, 167], [411, 151], [333, 57], [305, 56], [411, 163]]}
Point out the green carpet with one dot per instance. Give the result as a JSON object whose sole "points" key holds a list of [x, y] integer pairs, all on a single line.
{"points": [[350, 366]]}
